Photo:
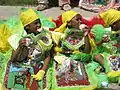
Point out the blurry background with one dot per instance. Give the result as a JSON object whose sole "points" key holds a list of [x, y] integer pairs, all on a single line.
{"points": [[18, 2], [32, 2]]}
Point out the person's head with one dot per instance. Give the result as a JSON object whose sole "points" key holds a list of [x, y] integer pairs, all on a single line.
{"points": [[112, 19], [30, 21], [70, 19], [75, 21], [116, 26]]}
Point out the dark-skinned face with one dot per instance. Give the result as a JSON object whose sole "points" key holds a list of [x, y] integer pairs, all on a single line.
{"points": [[75, 21], [116, 26], [34, 26]]}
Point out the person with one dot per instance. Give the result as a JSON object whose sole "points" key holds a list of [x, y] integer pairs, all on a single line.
{"points": [[91, 5], [103, 18], [42, 5], [112, 18], [112, 4], [76, 19], [72, 19], [68, 44], [112, 48], [31, 55], [75, 45], [107, 54]]}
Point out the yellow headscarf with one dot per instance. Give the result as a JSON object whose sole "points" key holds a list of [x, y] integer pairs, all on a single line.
{"points": [[66, 17], [28, 17], [110, 17]]}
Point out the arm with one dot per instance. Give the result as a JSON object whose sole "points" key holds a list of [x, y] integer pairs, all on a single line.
{"points": [[87, 48], [104, 40], [99, 43], [40, 74], [46, 63], [14, 54], [20, 53]]}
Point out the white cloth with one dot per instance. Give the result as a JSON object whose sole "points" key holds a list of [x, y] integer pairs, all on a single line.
{"points": [[15, 38]]}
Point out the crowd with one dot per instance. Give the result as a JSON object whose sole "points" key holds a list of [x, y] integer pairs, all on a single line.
{"points": [[90, 5], [39, 53]]}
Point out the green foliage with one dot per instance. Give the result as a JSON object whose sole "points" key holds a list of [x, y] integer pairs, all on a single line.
{"points": [[18, 2]]}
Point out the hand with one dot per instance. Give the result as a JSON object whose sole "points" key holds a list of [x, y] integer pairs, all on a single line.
{"points": [[39, 75], [105, 39], [24, 42], [84, 28]]}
